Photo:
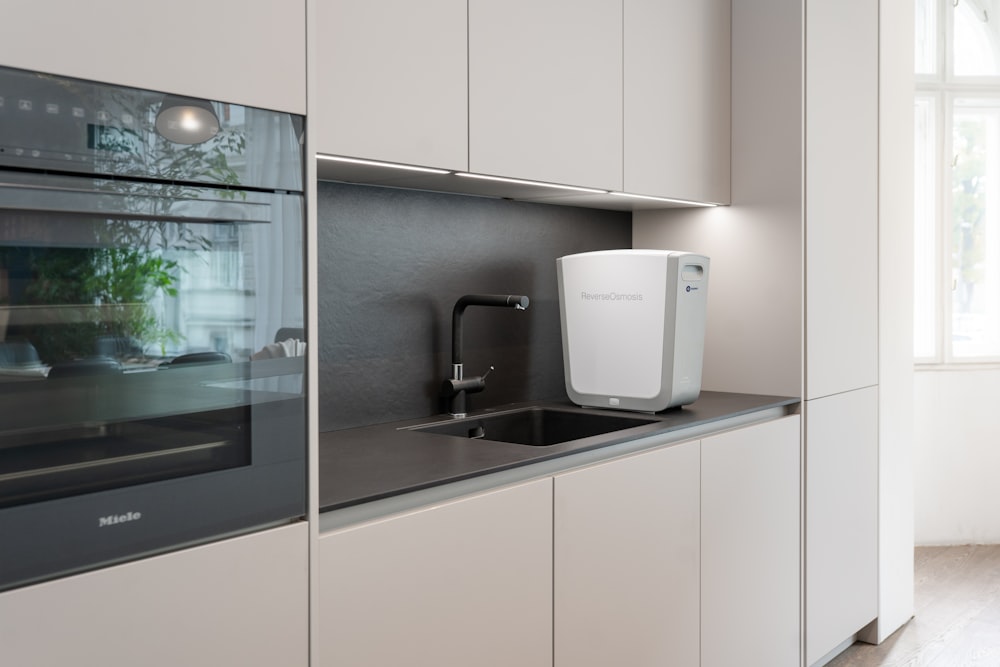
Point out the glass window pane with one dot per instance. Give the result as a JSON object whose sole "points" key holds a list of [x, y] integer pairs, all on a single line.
{"points": [[926, 42], [975, 229], [925, 230], [975, 39]]}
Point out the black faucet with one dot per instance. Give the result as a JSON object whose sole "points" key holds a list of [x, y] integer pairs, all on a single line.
{"points": [[458, 386]]}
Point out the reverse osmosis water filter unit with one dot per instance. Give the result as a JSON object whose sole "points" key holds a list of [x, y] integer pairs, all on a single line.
{"points": [[633, 327]]}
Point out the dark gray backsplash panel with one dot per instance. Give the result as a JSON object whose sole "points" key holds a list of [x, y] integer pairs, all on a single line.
{"points": [[392, 264]]}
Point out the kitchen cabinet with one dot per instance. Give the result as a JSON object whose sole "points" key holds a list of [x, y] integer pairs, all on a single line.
{"points": [[841, 197], [750, 546], [241, 601], [841, 322], [841, 493], [677, 99], [795, 267], [627, 561], [466, 582], [224, 51], [392, 81], [545, 90], [605, 95]]}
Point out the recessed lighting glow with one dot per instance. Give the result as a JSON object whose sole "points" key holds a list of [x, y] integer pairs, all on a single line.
{"points": [[686, 202], [540, 184], [389, 165]]}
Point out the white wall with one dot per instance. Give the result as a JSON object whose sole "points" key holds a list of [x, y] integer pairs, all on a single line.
{"points": [[957, 457]]}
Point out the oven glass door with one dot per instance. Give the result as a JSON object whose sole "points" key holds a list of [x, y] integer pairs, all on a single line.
{"points": [[144, 353]]}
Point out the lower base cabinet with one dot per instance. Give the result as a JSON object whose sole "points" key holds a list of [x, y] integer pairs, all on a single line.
{"points": [[468, 582], [750, 546], [242, 601], [841, 546], [684, 555], [626, 561]]}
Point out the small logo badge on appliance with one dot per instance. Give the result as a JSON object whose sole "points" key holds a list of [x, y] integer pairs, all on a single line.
{"points": [[112, 519]]}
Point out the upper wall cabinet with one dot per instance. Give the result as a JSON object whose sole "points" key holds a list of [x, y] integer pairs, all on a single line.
{"points": [[677, 98], [621, 95], [225, 50], [391, 81], [545, 90]]}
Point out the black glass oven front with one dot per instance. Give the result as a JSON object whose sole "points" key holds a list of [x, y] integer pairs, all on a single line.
{"points": [[152, 345]]}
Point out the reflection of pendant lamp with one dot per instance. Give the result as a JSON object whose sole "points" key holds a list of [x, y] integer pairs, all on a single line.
{"points": [[186, 120]]}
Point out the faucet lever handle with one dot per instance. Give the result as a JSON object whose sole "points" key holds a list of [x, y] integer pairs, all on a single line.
{"points": [[487, 373]]}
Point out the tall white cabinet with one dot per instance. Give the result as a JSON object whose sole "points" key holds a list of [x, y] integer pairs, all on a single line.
{"points": [[841, 197], [841, 323], [796, 272], [224, 50]]}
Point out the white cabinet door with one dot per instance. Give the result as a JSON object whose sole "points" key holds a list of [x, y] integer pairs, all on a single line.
{"points": [[626, 561], [677, 98], [545, 90], [243, 601], [226, 50], [841, 450], [841, 197], [750, 546], [468, 582], [392, 81]]}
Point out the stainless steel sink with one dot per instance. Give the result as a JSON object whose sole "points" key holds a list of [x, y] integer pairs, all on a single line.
{"points": [[539, 427]]}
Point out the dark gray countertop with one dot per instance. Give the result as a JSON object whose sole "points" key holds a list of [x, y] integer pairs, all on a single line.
{"points": [[374, 462]]}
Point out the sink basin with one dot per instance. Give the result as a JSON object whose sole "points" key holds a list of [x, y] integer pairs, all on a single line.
{"points": [[538, 427]]}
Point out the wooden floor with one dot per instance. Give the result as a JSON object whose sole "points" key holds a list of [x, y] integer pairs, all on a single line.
{"points": [[957, 614]]}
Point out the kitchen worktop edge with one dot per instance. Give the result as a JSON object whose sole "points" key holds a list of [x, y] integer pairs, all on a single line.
{"points": [[378, 469]]}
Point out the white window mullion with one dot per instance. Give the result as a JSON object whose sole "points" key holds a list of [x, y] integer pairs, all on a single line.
{"points": [[945, 225], [926, 266]]}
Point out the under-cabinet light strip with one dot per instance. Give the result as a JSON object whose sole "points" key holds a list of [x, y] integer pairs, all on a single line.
{"points": [[686, 202], [540, 184], [375, 163], [503, 179]]}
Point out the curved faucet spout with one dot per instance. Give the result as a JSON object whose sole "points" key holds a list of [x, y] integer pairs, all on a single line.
{"points": [[515, 301]]}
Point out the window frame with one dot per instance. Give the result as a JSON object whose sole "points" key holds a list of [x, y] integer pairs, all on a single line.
{"points": [[942, 87]]}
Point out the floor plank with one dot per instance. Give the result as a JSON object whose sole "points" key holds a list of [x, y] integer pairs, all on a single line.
{"points": [[957, 614]]}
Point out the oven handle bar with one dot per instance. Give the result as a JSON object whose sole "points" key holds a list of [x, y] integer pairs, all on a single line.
{"points": [[117, 460], [139, 200]]}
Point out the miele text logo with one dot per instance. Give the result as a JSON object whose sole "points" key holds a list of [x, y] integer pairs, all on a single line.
{"points": [[610, 296], [113, 519]]}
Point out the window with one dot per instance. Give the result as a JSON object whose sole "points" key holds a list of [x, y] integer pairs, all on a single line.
{"points": [[957, 182]]}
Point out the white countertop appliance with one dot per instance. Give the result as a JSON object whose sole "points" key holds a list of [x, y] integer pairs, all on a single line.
{"points": [[633, 327]]}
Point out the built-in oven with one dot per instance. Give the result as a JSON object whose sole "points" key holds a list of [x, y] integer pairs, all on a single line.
{"points": [[152, 346]]}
